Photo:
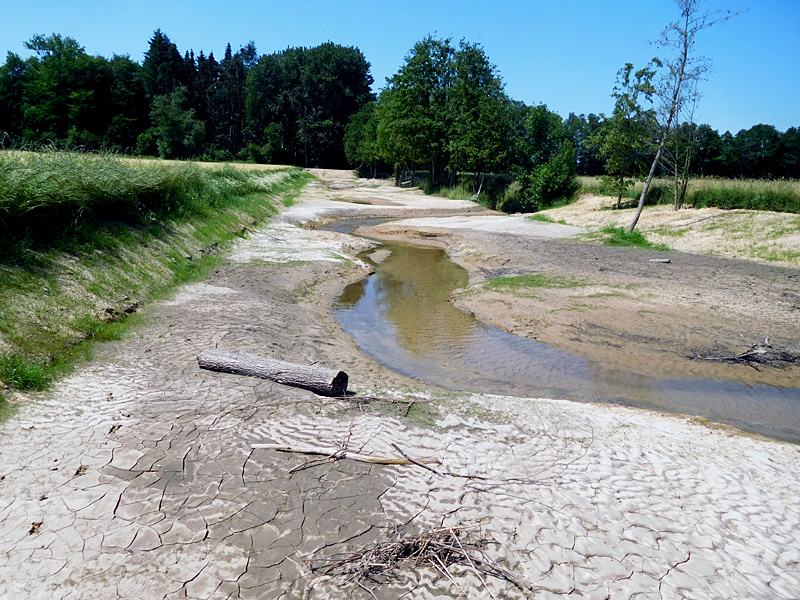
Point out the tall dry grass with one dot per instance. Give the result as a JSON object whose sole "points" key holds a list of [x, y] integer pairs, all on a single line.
{"points": [[751, 194]]}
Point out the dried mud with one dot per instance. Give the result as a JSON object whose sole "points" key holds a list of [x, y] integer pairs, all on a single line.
{"points": [[134, 478]]}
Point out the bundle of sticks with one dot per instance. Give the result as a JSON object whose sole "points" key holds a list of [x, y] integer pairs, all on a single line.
{"points": [[439, 549]]}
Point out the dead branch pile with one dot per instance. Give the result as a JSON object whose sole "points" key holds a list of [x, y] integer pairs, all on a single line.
{"points": [[439, 549], [757, 355]]}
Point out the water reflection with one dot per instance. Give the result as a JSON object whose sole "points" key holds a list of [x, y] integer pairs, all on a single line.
{"points": [[401, 317]]}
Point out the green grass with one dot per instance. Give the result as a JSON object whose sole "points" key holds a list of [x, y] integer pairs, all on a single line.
{"points": [[22, 374], [618, 236], [670, 232], [545, 219], [68, 281], [6, 408], [775, 255], [748, 194], [540, 217], [525, 285]]}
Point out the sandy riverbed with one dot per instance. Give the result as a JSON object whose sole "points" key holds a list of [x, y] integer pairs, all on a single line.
{"points": [[134, 478]]}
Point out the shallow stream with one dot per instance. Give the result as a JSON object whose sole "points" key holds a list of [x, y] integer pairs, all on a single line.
{"points": [[401, 316]]}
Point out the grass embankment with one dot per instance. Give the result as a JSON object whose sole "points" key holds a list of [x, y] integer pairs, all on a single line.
{"points": [[85, 240], [749, 194]]}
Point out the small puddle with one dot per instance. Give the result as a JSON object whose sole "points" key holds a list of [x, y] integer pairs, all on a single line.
{"points": [[401, 316]]}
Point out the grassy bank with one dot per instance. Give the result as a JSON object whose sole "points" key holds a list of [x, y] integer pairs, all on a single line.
{"points": [[87, 239], [750, 194]]}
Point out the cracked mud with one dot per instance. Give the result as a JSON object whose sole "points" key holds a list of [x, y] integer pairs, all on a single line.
{"points": [[135, 478]]}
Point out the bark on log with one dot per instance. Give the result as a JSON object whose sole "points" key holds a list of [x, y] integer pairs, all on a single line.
{"points": [[322, 381]]}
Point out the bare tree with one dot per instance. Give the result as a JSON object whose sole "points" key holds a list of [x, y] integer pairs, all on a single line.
{"points": [[679, 151], [681, 75]]}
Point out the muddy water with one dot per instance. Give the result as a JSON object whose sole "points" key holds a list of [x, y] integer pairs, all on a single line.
{"points": [[401, 316]]}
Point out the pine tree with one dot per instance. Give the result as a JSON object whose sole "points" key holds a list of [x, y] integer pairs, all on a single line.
{"points": [[163, 68]]}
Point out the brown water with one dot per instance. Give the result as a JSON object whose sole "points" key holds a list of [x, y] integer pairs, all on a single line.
{"points": [[401, 316]]}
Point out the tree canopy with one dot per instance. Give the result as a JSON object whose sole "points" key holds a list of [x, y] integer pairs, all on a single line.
{"points": [[442, 116]]}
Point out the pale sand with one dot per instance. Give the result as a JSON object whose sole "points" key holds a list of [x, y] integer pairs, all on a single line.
{"points": [[134, 477]]}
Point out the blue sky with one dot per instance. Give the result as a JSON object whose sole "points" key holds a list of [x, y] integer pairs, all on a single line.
{"points": [[564, 54]]}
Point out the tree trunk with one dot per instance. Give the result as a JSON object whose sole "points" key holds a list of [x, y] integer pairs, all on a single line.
{"points": [[646, 187], [322, 381]]}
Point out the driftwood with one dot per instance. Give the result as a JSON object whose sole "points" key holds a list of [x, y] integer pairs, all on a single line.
{"points": [[340, 453], [759, 354], [322, 381], [439, 549]]}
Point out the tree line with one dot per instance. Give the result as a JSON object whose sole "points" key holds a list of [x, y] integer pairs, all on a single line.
{"points": [[443, 119], [760, 152], [445, 113], [287, 107]]}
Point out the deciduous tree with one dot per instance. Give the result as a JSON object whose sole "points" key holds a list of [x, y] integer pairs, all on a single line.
{"points": [[683, 69], [626, 135]]}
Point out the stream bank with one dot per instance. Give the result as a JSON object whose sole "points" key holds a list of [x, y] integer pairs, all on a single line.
{"points": [[135, 478]]}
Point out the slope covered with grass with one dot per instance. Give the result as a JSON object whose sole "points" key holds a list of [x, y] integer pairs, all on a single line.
{"points": [[86, 239]]}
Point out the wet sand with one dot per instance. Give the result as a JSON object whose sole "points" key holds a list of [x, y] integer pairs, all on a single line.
{"points": [[134, 478]]}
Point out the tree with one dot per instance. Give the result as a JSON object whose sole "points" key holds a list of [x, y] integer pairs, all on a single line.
{"points": [[178, 132], [300, 101], [544, 166], [757, 150], [128, 108], [14, 75], [361, 139], [683, 70], [479, 138], [164, 69], [708, 157], [414, 121], [580, 129], [789, 163], [553, 175], [626, 134]]}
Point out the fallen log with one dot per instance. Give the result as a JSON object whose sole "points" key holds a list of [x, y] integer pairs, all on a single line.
{"points": [[322, 381]]}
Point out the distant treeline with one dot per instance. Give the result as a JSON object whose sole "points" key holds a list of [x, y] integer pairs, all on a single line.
{"points": [[761, 152], [444, 112], [287, 107]]}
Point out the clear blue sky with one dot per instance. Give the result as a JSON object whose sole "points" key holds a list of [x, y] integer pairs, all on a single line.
{"points": [[564, 54]]}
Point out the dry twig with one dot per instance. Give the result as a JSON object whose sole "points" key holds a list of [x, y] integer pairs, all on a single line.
{"points": [[438, 549]]}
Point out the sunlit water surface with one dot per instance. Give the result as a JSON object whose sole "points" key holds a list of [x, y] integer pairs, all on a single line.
{"points": [[401, 317]]}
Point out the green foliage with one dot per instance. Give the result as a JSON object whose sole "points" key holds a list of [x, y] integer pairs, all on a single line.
{"points": [[300, 101], [624, 139], [443, 112], [361, 139], [778, 196], [178, 133], [22, 374], [103, 230], [580, 129], [163, 69], [541, 218], [553, 180], [520, 284], [751, 197], [546, 171], [50, 193], [659, 192], [618, 236]]}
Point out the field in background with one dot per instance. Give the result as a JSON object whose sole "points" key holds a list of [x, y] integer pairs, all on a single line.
{"points": [[763, 236], [749, 194]]}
